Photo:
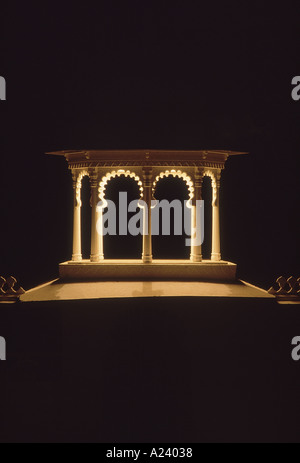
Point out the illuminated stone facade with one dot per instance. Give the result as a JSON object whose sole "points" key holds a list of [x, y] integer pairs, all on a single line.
{"points": [[147, 167]]}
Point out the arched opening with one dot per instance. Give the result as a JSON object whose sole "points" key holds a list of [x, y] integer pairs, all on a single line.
{"points": [[172, 246], [123, 245], [207, 197], [86, 217]]}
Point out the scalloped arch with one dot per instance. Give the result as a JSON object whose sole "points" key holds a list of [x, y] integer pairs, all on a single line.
{"points": [[110, 175], [79, 179], [176, 173], [210, 173]]}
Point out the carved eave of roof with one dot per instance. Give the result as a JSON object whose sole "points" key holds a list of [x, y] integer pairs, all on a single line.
{"points": [[165, 158]]}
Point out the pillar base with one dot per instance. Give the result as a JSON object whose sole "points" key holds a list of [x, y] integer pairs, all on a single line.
{"points": [[158, 270], [97, 258], [194, 258], [216, 257], [147, 259], [77, 257]]}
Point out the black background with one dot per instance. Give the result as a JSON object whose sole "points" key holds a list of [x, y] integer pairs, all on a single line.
{"points": [[151, 75], [147, 75]]}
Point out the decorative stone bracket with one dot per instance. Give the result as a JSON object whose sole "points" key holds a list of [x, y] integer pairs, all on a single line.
{"points": [[286, 289], [9, 290]]}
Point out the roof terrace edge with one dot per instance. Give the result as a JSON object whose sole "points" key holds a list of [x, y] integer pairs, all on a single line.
{"points": [[90, 154]]}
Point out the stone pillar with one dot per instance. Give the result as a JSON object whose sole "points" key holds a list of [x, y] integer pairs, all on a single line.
{"points": [[147, 197], [216, 242], [96, 238], [196, 249], [77, 254]]}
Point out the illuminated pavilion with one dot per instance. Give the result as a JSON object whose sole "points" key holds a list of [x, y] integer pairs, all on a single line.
{"points": [[147, 167]]}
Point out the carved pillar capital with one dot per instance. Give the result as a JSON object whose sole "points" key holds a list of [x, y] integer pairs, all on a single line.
{"points": [[74, 178], [197, 178], [147, 175], [216, 184], [94, 178], [218, 178]]}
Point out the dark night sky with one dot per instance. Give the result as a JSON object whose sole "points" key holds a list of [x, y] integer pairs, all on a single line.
{"points": [[145, 75]]}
